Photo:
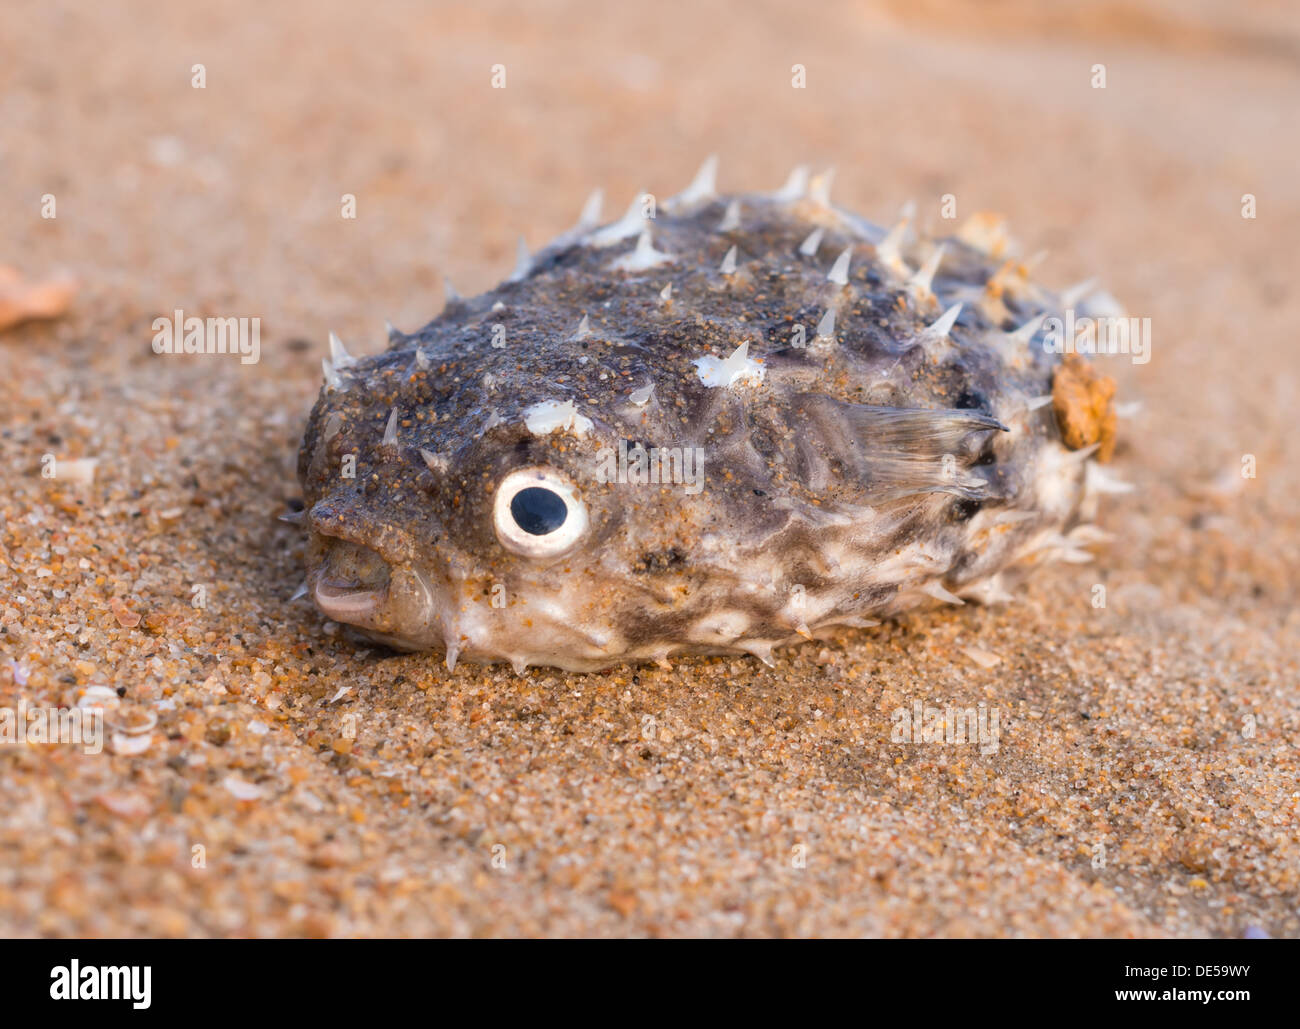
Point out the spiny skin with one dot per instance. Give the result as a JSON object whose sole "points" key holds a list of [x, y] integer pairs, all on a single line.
{"points": [[883, 465]]}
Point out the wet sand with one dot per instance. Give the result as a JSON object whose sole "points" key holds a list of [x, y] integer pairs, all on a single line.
{"points": [[1145, 778]]}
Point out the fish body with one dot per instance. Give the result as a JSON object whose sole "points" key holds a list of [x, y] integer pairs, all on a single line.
{"points": [[718, 424]]}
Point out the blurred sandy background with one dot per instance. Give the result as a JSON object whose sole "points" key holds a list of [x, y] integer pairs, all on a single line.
{"points": [[720, 797]]}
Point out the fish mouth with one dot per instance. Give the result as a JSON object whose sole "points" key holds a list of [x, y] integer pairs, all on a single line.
{"points": [[352, 584], [415, 607], [346, 600]]}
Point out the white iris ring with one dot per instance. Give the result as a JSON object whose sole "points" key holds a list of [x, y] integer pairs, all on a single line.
{"points": [[554, 543]]}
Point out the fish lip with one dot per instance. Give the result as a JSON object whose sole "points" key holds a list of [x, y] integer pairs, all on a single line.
{"points": [[338, 523], [345, 600]]}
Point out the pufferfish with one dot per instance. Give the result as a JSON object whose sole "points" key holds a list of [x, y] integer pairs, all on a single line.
{"points": [[718, 424]]}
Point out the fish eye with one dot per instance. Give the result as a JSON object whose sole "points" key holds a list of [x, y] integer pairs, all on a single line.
{"points": [[537, 513]]}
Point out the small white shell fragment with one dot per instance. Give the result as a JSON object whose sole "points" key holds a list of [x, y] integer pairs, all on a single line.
{"points": [[242, 789], [80, 469], [641, 396], [142, 724], [129, 744], [435, 462], [99, 696], [983, 658], [549, 416], [737, 370]]}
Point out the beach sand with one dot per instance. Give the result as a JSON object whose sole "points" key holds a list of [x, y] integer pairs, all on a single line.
{"points": [[294, 782]]}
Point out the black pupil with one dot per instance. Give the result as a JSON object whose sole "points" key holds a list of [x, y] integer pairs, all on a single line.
{"points": [[538, 511]]}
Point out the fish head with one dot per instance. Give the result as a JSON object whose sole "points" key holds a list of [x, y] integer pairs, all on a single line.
{"points": [[502, 532]]}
